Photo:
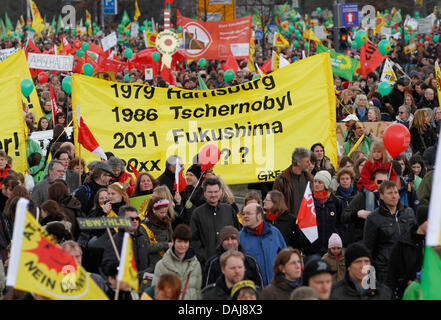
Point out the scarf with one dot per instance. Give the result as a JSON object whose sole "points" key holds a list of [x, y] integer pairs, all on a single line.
{"points": [[271, 216], [346, 192], [322, 196], [258, 229], [361, 112], [403, 193], [161, 223]]}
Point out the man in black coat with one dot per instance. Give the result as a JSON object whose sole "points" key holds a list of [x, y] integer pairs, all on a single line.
{"points": [[140, 243], [229, 240], [385, 225], [355, 213], [395, 99], [428, 100], [208, 219], [167, 178], [359, 282], [406, 258]]}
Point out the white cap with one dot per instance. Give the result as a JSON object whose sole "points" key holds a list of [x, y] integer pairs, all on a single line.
{"points": [[350, 117]]}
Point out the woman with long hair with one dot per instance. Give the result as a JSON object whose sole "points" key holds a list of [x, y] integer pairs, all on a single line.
{"points": [[422, 134], [145, 183], [360, 106], [43, 124]]}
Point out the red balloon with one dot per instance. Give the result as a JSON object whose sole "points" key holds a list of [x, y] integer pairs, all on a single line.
{"points": [[42, 77], [208, 156], [77, 44], [427, 38], [396, 139]]}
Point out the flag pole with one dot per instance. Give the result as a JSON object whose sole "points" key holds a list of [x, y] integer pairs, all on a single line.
{"points": [[117, 290], [197, 184], [113, 243], [79, 156]]}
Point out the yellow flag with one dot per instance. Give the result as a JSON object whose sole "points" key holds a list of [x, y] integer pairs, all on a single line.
{"points": [[150, 39], [13, 134], [16, 64], [280, 41], [250, 64], [276, 61], [137, 12], [438, 81], [309, 34], [40, 266], [128, 272], [37, 20]]}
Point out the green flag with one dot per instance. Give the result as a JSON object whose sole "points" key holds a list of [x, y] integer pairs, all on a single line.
{"points": [[342, 65], [202, 84], [3, 30], [60, 25], [125, 19], [431, 275], [8, 23]]}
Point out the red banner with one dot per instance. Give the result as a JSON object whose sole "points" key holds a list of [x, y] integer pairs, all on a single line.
{"points": [[213, 40]]}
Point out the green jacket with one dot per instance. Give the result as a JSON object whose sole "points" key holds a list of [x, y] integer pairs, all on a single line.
{"points": [[33, 147], [423, 192], [189, 272], [365, 145]]}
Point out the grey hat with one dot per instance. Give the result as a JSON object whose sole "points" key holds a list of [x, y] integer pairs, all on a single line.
{"points": [[115, 163], [104, 167], [91, 165]]}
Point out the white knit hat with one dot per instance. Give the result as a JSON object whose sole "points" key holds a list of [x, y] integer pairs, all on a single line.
{"points": [[325, 177]]}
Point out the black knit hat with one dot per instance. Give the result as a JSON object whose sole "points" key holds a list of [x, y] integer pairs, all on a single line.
{"points": [[422, 214], [354, 251], [196, 170], [315, 267]]}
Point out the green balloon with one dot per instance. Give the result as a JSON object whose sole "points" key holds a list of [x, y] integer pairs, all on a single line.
{"points": [[203, 63], [179, 29], [416, 15], [435, 38], [149, 23], [27, 86], [361, 37], [92, 55], [384, 88], [298, 36], [156, 56], [306, 45], [85, 46], [120, 28], [400, 30], [74, 32], [394, 31], [386, 11], [86, 23], [327, 24], [87, 69], [172, 30], [229, 75], [407, 38], [79, 53], [255, 77], [128, 53], [127, 78], [127, 33], [318, 10], [66, 84], [94, 24], [291, 28], [300, 25], [384, 47], [141, 29], [296, 44]]}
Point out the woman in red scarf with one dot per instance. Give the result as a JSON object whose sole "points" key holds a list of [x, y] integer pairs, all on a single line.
{"points": [[276, 213]]}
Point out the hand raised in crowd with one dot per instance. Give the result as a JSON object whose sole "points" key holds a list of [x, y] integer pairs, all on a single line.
{"points": [[177, 198], [363, 214], [107, 207]]}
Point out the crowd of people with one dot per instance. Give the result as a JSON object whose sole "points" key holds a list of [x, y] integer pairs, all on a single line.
{"points": [[197, 244]]}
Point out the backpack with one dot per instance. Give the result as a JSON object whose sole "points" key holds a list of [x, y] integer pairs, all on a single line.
{"points": [[87, 190]]}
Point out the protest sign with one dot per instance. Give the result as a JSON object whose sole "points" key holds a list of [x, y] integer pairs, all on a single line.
{"points": [[43, 138], [213, 40], [50, 62], [103, 223], [140, 203], [109, 41], [425, 26], [342, 65], [5, 53], [255, 125], [13, 134]]}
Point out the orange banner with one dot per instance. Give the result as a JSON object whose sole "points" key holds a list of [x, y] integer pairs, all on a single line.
{"points": [[213, 40]]}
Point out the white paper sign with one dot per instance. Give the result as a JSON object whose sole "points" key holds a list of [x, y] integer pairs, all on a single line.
{"points": [[43, 138], [240, 49], [134, 30], [424, 26], [320, 32], [148, 73], [50, 62]]}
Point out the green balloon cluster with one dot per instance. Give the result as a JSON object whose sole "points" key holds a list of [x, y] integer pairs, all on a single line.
{"points": [[27, 86], [407, 38], [128, 53], [296, 44], [384, 47], [87, 69], [229, 75], [384, 88], [79, 53], [66, 84], [85, 46]]}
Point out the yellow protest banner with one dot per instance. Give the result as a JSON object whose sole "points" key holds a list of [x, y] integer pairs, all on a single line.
{"points": [[255, 125], [16, 64], [40, 266], [12, 134]]}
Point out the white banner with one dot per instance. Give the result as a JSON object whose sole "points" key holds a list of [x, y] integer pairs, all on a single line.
{"points": [[5, 53], [425, 26], [134, 30], [43, 138], [388, 73], [109, 41], [50, 62]]}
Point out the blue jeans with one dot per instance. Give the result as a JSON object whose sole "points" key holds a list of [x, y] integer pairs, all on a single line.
{"points": [[370, 200]]}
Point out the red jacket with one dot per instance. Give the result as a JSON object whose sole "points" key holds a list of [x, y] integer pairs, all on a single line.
{"points": [[123, 178], [368, 169]]}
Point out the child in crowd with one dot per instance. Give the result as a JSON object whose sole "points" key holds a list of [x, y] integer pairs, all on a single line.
{"points": [[335, 257], [5, 167]]}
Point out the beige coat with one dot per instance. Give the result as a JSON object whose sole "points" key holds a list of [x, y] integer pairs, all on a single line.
{"points": [[337, 265]]}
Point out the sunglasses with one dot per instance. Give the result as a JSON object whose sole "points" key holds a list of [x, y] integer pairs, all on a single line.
{"points": [[379, 182], [135, 219]]}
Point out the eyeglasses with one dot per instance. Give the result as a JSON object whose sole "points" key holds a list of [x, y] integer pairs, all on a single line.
{"points": [[379, 182], [400, 112], [135, 219], [247, 214]]}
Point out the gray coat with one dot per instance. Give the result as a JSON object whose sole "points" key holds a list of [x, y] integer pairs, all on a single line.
{"points": [[40, 191]]}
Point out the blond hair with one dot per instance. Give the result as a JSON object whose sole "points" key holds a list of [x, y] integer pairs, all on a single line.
{"points": [[419, 119], [375, 146], [164, 193]]}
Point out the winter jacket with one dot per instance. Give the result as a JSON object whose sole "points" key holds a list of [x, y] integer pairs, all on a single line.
{"points": [[382, 230], [328, 216], [346, 290], [420, 142], [167, 178], [325, 164], [264, 248], [162, 237], [123, 177], [140, 251], [424, 103], [286, 223], [71, 207], [279, 289], [189, 205], [423, 192], [40, 191], [407, 123], [408, 196], [406, 259], [338, 266], [217, 291], [86, 194], [369, 168], [213, 269], [395, 98], [34, 147], [206, 223], [5, 235], [188, 270], [350, 217], [293, 192], [364, 146]]}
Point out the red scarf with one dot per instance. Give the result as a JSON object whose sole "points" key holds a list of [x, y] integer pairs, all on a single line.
{"points": [[322, 196], [258, 229], [271, 216]]}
